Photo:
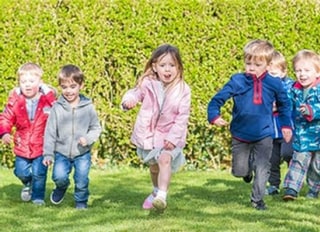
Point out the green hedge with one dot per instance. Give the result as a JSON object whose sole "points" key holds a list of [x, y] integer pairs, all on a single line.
{"points": [[112, 40]]}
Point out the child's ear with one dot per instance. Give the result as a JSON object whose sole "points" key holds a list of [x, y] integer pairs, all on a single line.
{"points": [[82, 85]]}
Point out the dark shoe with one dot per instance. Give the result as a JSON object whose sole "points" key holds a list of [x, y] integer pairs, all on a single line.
{"points": [[312, 195], [272, 190], [81, 205], [248, 178], [290, 195], [259, 205], [57, 196]]}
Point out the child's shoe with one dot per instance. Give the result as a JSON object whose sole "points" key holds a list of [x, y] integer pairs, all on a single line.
{"points": [[26, 193], [57, 196], [259, 205], [272, 190], [81, 205], [159, 203], [290, 194], [312, 195], [38, 202], [247, 178], [147, 204]]}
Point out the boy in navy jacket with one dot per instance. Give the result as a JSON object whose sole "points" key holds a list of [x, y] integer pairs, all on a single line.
{"points": [[253, 93]]}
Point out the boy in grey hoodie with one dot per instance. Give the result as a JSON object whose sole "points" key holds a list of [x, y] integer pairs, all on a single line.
{"points": [[72, 128]]}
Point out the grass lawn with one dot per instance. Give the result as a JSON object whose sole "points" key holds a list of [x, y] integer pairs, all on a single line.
{"points": [[198, 201]]}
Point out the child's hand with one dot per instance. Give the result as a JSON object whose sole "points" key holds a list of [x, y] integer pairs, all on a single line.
{"points": [[6, 138], [287, 134], [168, 145], [304, 109], [220, 122], [46, 162], [83, 142], [127, 105]]}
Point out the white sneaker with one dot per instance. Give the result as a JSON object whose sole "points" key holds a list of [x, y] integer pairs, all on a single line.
{"points": [[159, 203], [26, 193]]}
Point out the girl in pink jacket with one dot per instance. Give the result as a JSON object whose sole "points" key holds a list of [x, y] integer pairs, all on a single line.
{"points": [[160, 129]]}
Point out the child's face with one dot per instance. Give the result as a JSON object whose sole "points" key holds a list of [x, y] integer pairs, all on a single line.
{"points": [[276, 71], [256, 67], [29, 85], [70, 90], [306, 73], [166, 68]]}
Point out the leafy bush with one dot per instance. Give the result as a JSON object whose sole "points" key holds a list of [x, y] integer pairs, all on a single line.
{"points": [[112, 40]]}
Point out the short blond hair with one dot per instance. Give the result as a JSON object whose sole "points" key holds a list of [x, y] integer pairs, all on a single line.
{"points": [[258, 50], [309, 55], [30, 68], [280, 61]]}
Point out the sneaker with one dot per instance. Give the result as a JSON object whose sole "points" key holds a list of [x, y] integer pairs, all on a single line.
{"points": [[147, 204], [57, 196], [290, 195], [81, 205], [312, 195], [159, 203], [248, 178], [38, 202], [272, 190], [259, 205], [26, 193]]}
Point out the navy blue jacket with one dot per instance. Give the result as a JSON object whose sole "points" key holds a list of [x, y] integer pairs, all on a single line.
{"points": [[252, 105]]}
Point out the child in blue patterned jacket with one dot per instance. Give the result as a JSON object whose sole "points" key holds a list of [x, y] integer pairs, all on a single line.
{"points": [[305, 98]]}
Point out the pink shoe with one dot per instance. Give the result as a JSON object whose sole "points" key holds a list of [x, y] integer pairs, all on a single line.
{"points": [[147, 204]]}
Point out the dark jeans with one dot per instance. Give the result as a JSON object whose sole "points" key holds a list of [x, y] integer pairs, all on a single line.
{"points": [[281, 151], [32, 171], [260, 153]]}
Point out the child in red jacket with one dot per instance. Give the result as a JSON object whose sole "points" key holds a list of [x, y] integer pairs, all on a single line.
{"points": [[27, 111]]}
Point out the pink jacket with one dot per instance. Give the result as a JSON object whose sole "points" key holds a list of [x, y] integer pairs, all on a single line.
{"points": [[28, 137], [161, 116]]}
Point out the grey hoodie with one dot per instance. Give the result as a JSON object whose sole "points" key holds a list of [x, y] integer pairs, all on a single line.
{"points": [[66, 125]]}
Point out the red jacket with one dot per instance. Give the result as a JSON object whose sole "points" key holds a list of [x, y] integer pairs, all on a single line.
{"points": [[28, 137]]}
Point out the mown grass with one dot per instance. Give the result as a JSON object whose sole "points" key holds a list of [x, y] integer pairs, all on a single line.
{"points": [[198, 201]]}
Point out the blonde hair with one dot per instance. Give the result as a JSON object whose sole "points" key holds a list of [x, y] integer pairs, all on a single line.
{"points": [[309, 55], [30, 68], [258, 50], [156, 56], [280, 61]]}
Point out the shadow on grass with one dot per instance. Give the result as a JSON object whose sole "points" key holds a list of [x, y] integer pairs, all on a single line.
{"points": [[196, 202]]}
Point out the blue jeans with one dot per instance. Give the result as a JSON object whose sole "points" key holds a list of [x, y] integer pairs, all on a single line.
{"points": [[32, 171], [62, 168]]}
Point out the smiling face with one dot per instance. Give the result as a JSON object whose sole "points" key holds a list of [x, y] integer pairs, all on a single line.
{"points": [[29, 85], [306, 72], [166, 68], [70, 91]]}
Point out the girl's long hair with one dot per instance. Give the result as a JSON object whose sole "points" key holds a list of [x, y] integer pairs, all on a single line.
{"points": [[155, 57]]}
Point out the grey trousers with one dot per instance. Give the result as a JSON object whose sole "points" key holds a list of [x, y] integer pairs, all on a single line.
{"points": [[253, 157]]}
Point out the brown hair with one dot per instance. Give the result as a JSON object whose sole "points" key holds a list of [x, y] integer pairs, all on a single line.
{"points": [[73, 72], [258, 50]]}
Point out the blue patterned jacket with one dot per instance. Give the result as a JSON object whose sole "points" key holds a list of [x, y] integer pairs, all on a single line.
{"points": [[307, 127]]}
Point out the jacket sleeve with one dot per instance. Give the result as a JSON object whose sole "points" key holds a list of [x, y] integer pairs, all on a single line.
{"points": [[50, 134], [218, 100], [284, 107], [8, 116], [136, 94], [178, 131], [94, 130]]}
